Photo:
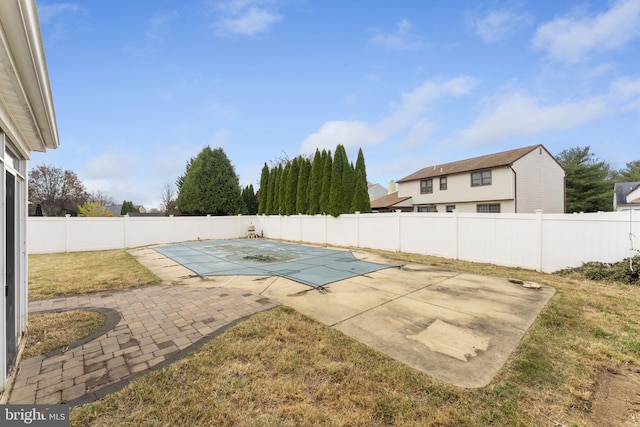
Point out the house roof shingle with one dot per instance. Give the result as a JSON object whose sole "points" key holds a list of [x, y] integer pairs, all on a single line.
{"points": [[505, 158], [387, 201]]}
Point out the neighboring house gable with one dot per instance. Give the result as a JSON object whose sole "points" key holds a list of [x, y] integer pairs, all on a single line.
{"points": [[376, 191], [520, 180], [626, 195], [27, 123]]}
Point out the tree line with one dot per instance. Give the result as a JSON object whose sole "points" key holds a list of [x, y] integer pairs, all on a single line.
{"points": [[589, 181], [320, 184]]}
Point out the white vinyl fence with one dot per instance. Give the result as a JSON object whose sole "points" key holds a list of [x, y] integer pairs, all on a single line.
{"points": [[544, 242]]}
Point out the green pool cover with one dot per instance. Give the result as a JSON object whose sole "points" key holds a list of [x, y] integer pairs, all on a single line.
{"points": [[255, 257]]}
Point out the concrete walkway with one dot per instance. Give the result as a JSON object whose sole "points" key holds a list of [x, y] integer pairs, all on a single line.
{"points": [[147, 328]]}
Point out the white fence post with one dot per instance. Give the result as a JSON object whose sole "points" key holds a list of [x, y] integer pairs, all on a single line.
{"points": [[399, 232], [326, 232], [456, 243], [125, 229], [66, 232], [357, 229], [300, 227], [539, 239], [171, 233]]}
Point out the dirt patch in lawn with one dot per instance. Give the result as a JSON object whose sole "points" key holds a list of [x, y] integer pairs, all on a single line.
{"points": [[616, 399]]}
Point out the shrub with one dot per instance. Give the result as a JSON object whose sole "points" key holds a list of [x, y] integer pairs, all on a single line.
{"points": [[625, 271]]}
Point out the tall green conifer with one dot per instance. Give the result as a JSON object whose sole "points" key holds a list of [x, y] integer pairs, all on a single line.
{"points": [[264, 189], [326, 181], [315, 184], [302, 199], [336, 189]]}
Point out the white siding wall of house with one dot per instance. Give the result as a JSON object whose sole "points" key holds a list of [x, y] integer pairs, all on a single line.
{"points": [[459, 191], [540, 183]]}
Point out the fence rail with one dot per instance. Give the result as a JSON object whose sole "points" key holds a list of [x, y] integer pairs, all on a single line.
{"points": [[544, 242]]}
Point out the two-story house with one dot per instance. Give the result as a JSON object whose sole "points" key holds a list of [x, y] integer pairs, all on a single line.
{"points": [[515, 181], [27, 123]]}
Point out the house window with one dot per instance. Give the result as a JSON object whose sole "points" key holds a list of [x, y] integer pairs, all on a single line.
{"points": [[426, 186], [488, 208], [450, 208], [428, 208], [481, 178], [443, 183]]}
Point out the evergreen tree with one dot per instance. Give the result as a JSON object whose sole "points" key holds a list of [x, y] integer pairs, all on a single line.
{"points": [[210, 186], [127, 206], [361, 201], [326, 181], [588, 188], [292, 186], [264, 189], [348, 186], [315, 184], [336, 189], [250, 200], [271, 192], [630, 173], [180, 179], [302, 201], [282, 189]]}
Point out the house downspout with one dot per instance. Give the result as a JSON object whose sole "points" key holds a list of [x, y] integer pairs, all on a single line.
{"points": [[515, 189]]}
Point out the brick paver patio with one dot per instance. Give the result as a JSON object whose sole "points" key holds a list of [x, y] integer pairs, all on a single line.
{"points": [[147, 328]]}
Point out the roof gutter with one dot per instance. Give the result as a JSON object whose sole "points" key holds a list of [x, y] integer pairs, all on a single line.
{"points": [[23, 59]]}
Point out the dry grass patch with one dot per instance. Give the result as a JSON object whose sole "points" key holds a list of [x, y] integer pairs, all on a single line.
{"points": [[282, 368], [51, 331], [72, 273]]}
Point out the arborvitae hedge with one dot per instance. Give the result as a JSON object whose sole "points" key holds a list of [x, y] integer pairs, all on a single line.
{"points": [[315, 184], [322, 185]]}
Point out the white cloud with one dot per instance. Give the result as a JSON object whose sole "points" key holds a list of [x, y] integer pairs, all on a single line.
{"points": [[572, 39], [48, 12], [626, 86], [407, 115], [520, 115], [401, 39], [419, 132], [245, 17], [499, 24], [626, 90]]}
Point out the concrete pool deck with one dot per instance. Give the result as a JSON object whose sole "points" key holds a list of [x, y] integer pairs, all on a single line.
{"points": [[458, 327]]}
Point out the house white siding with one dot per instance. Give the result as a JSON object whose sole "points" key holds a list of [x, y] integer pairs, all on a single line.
{"points": [[27, 123], [539, 183], [461, 193], [522, 180]]}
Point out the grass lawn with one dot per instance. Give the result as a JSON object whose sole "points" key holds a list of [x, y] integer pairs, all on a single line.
{"points": [[52, 275], [575, 366]]}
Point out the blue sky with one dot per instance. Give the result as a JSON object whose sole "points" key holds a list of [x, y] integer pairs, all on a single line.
{"points": [[140, 87]]}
